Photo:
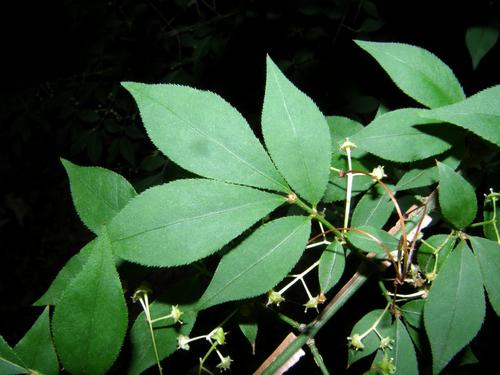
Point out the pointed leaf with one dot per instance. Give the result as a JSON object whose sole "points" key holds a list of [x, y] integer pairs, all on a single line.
{"points": [[249, 330], [10, 363], [418, 338], [36, 348], [65, 275], [403, 351], [204, 134], [480, 40], [373, 209], [457, 198], [165, 332], [479, 113], [90, 319], [413, 313], [488, 256], [468, 357], [398, 136], [296, 136], [186, 220], [455, 308], [417, 72], [371, 341], [258, 263], [331, 266], [98, 193]]}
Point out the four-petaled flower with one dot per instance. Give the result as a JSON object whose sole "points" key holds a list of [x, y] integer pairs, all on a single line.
{"points": [[355, 341], [225, 363], [274, 298], [183, 342]]}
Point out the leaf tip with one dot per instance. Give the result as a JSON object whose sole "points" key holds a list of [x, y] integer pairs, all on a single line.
{"points": [[132, 87]]}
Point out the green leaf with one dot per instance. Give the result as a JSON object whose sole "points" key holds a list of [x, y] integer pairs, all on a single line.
{"points": [[417, 72], [425, 172], [403, 351], [65, 275], [455, 308], [419, 339], [296, 136], [331, 266], [480, 40], [373, 209], [479, 113], [98, 193], [186, 220], [371, 341], [488, 256], [457, 198], [90, 320], [10, 363], [204, 134], [36, 349], [398, 136], [441, 244], [368, 244], [249, 330], [259, 263], [165, 332], [413, 313], [492, 229], [468, 357]]}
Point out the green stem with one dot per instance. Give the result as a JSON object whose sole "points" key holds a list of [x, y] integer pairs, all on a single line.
{"points": [[315, 326], [286, 319], [385, 292], [317, 356], [316, 215], [145, 305], [349, 189]]}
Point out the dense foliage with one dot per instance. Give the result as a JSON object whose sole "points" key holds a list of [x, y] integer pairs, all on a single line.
{"points": [[303, 181]]}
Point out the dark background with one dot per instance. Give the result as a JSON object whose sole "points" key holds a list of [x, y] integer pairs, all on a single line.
{"points": [[60, 95]]}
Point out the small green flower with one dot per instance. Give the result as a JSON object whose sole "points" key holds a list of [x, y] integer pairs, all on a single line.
{"points": [[347, 145], [183, 342], [312, 303], [355, 342], [140, 292], [379, 172], [386, 366], [274, 298], [386, 343], [225, 363], [176, 313], [218, 335]]}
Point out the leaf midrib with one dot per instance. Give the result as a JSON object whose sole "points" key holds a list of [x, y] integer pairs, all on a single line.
{"points": [[253, 265], [214, 140], [298, 145], [192, 218]]}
